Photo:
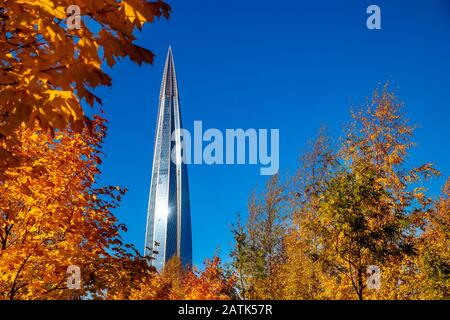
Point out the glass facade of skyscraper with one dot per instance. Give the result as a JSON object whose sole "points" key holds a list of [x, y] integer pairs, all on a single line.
{"points": [[168, 219]]}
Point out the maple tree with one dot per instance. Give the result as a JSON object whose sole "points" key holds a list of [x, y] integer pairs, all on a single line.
{"points": [[52, 215], [47, 69]]}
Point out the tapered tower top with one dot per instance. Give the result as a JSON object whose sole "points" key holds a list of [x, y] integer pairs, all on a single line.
{"points": [[169, 82], [168, 231]]}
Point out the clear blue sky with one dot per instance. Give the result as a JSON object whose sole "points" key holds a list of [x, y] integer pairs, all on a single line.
{"points": [[292, 65]]}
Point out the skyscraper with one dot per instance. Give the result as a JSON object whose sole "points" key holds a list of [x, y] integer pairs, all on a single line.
{"points": [[168, 218]]}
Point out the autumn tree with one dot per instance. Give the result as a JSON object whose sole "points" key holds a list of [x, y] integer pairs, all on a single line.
{"points": [[53, 215], [302, 274], [176, 282], [338, 228], [428, 272], [259, 245], [48, 65], [357, 205], [381, 138], [361, 229], [435, 245]]}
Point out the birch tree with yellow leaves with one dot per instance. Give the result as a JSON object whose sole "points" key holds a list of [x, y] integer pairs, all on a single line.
{"points": [[355, 207]]}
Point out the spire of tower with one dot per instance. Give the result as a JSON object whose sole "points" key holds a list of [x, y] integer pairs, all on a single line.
{"points": [[168, 231], [169, 83]]}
